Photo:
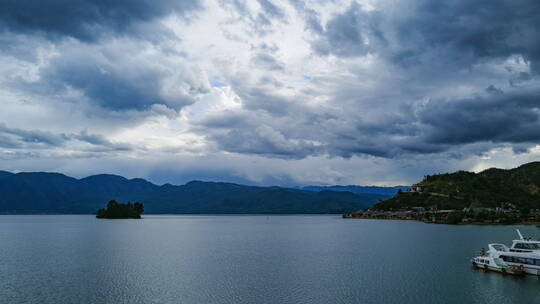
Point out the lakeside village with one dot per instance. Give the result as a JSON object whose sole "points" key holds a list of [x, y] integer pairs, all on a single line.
{"points": [[507, 213]]}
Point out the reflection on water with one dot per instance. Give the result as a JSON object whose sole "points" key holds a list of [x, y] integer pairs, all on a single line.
{"points": [[250, 259]]}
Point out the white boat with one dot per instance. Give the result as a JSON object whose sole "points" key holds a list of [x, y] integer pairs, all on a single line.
{"points": [[524, 254], [487, 261]]}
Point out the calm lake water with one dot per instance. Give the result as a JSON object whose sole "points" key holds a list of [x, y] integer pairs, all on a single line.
{"points": [[250, 259]]}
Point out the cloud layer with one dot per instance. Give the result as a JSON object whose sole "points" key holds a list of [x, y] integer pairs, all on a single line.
{"points": [[266, 86]]}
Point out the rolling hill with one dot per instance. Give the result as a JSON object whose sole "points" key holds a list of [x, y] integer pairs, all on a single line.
{"points": [[490, 188]]}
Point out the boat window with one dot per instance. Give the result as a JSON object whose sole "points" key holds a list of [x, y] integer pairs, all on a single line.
{"points": [[533, 246], [512, 259], [499, 247]]}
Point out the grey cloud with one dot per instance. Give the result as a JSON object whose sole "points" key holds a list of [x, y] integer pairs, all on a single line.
{"points": [[416, 32], [32, 136], [121, 79], [352, 33], [9, 142], [263, 140], [259, 23], [493, 90], [495, 29], [271, 9], [226, 120], [100, 140], [471, 125], [21, 46], [311, 17], [521, 148], [268, 62], [269, 80], [457, 128], [510, 117], [259, 133], [16, 138], [522, 77], [86, 20]]}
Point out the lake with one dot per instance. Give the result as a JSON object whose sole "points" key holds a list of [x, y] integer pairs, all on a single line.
{"points": [[250, 259]]}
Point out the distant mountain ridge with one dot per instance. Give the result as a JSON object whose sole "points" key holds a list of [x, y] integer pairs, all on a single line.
{"points": [[5, 174], [490, 188], [386, 191], [43, 192]]}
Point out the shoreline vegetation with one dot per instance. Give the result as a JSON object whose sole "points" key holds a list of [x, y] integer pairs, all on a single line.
{"points": [[437, 218], [117, 210]]}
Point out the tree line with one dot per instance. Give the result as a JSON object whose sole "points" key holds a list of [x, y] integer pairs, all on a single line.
{"points": [[117, 210]]}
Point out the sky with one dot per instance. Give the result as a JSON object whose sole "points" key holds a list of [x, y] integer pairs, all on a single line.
{"points": [[268, 92]]}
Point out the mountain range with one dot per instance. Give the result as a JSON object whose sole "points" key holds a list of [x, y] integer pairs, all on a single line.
{"points": [[42, 192], [386, 191]]}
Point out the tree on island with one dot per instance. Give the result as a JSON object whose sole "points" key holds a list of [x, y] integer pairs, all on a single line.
{"points": [[117, 210]]}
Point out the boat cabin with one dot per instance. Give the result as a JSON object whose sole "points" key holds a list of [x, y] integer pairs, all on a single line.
{"points": [[525, 244]]}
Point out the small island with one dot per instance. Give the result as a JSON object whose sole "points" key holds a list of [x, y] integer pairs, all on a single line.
{"points": [[117, 210]]}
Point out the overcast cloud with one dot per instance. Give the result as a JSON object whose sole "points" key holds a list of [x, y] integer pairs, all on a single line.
{"points": [[269, 92]]}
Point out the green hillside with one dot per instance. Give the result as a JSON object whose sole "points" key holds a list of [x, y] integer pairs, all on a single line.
{"points": [[490, 188]]}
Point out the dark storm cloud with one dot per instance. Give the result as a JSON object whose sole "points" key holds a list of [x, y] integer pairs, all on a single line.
{"points": [[127, 71], [108, 87], [415, 32], [114, 83], [86, 20], [503, 118], [489, 119], [457, 127], [114, 76], [486, 29]]}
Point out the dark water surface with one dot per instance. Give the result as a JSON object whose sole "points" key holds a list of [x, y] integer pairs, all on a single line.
{"points": [[250, 259]]}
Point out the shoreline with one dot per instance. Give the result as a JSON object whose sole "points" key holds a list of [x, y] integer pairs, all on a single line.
{"points": [[440, 223]]}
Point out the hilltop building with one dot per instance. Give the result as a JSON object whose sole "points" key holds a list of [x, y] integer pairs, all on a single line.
{"points": [[416, 188]]}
